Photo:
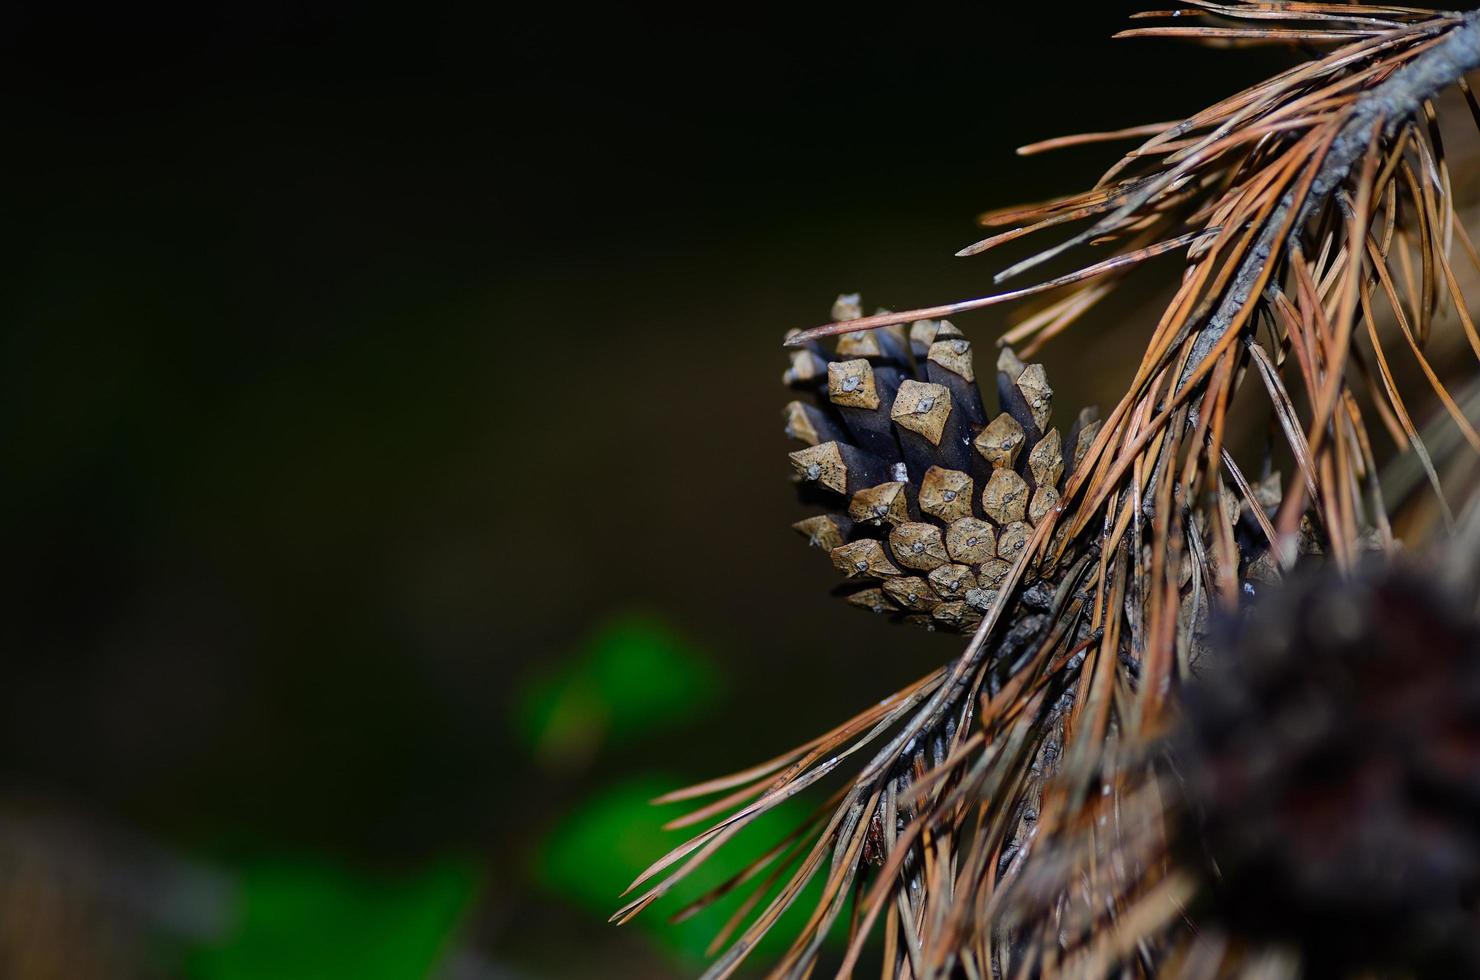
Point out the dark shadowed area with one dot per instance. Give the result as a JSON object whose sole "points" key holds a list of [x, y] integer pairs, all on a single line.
{"points": [[394, 491]]}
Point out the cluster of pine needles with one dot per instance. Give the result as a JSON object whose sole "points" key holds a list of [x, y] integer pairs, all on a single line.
{"points": [[1026, 827]]}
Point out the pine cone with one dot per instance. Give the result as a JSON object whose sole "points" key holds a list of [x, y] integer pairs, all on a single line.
{"points": [[929, 499], [1333, 767]]}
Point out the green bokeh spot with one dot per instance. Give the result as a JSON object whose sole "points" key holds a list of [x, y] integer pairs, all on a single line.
{"points": [[635, 675], [304, 920], [594, 854]]}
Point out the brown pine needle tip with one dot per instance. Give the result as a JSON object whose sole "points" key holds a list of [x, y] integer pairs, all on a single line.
{"points": [[1112, 264], [1062, 142], [1243, 33]]}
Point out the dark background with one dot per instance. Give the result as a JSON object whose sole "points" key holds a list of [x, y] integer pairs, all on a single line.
{"points": [[360, 364]]}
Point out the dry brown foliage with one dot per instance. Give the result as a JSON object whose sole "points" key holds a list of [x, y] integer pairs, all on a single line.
{"points": [[1011, 824]]}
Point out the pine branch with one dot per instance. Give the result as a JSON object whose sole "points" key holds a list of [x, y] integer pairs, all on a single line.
{"points": [[1010, 820], [1389, 106]]}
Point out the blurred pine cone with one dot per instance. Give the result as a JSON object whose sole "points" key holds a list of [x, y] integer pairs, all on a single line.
{"points": [[929, 498], [1333, 770]]}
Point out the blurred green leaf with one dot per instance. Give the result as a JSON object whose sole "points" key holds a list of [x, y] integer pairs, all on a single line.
{"points": [[594, 854], [634, 676], [303, 919]]}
